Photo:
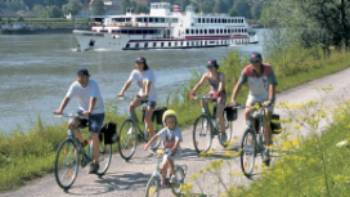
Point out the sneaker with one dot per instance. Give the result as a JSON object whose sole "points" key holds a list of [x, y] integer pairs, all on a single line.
{"points": [[223, 137], [266, 157], [94, 168]]}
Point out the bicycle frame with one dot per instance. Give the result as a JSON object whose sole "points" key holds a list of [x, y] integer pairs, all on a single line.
{"points": [[87, 157], [206, 112]]}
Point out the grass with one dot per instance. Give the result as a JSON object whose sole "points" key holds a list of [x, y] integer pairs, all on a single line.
{"points": [[319, 167], [50, 22], [25, 155]]}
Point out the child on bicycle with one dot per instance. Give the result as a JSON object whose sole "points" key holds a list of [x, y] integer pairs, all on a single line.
{"points": [[171, 138]]}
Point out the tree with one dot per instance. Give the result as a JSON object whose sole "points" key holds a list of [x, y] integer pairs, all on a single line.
{"points": [[242, 8], [72, 7], [311, 22], [97, 7]]}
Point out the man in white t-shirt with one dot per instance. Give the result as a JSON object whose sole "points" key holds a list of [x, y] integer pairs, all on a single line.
{"points": [[144, 77], [91, 106]]}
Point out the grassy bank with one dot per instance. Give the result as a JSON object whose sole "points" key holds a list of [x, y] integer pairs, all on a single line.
{"points": [[28, 154], [319, 167]]}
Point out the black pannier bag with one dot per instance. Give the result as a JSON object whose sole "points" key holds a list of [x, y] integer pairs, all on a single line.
{"points": [[158, 114], [276, 126], [231, 113], [109, 131]]}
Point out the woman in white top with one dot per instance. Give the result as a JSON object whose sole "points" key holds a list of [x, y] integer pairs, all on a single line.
{"points": [[143, 76]]}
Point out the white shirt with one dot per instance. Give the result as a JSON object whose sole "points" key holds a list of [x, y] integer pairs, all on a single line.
{"points": [[84, 94], [170, 135], [140, 78]]}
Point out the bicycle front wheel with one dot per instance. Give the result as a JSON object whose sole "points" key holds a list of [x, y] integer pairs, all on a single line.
{"points": [[248, 153], [153, 187], [66, 164], [127, 139], [202, 137], [105, 157]]}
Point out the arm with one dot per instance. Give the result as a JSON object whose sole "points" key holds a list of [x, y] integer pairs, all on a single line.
{"points": [[125, 88], [150, 142], [63, 105], [176, 145], [222, 83], [235, 92], [92, 104], [198, 84], [147, 87]]}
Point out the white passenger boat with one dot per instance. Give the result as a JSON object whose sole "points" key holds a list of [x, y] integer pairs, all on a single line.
{"points": [[165, 27]]}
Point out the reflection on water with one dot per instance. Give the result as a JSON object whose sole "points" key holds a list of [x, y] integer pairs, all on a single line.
{"points": [[36, 70]]}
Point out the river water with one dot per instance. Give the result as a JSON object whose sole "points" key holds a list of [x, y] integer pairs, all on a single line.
{"points": [[36, 70]]}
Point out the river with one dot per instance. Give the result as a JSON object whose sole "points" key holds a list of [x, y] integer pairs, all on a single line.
{"points": [[36, 70]]}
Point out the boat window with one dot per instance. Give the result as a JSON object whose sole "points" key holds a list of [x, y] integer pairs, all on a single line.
{"points": [[205, 31], [162, 20], [201, 31], [151, 20], [187, 31], [192, 31]]}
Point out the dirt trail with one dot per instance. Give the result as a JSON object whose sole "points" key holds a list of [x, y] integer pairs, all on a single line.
{"points": [[129, 179]]}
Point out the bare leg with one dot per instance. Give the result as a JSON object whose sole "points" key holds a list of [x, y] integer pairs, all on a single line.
{"points": [[95, 147], [148, 121], [267, 128]]}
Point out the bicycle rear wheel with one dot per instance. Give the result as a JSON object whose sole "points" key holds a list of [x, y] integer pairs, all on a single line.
{"points": [[66, 164], [127, 139], [105, 156], [248, 153], [201, 134], [153, 187], [179, 180]]}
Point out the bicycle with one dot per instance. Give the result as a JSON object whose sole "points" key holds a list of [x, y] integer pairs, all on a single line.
{"points": [[206, 127], [253, 142], [154, 183], [130, 132], [71, 154]]}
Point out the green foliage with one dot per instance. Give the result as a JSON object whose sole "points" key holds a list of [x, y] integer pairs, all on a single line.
{"points": [[97, 7], [319, 167], [311, 22], [72, 7]]}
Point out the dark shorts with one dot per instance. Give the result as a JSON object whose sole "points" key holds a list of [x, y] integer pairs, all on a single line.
{"points": [[150, 104], [95, 122]]}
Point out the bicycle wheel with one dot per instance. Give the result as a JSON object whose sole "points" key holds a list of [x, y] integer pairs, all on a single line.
{"points": [[127, 140], [248, 153], [202, 137], [105, 157], [179, 180], [66, 164], [153, 187]]}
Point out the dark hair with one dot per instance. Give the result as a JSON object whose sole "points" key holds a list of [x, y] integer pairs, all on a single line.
{"points": [[213, 63], [143, 61], [255, 57], [83, 72]]}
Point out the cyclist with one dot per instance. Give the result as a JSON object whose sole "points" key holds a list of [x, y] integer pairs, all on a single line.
{"points": [[171, 138], [217, 93], [143, 76], [262, 89], [91, 106]]}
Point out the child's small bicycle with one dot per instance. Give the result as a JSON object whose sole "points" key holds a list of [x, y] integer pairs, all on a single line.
{"points": [[153, 187]]}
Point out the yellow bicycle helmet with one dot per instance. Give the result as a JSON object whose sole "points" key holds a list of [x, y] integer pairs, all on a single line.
{"points": [[168, 113]]}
